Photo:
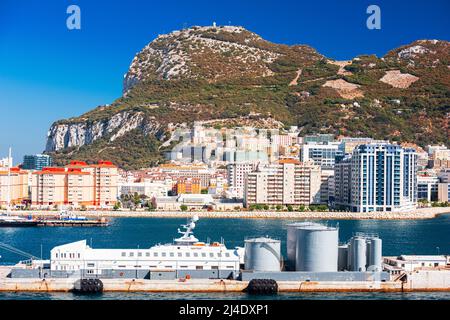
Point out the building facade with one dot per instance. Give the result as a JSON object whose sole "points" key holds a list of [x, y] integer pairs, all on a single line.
{"points": [[13, 186], [288, 182], [323, 155], [383, 178], [76, 185], [427, 187], [236, 173], [36, 162], [342, 181]]}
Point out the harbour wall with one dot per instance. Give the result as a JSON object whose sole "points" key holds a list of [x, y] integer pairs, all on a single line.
{"points": [[422, 213], [416, 281]]}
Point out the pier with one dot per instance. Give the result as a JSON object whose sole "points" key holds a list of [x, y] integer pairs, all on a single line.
{"points": [[72, 223], [418, 281]]}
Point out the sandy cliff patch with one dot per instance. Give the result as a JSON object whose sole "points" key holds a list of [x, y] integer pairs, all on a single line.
{"points": [[398, 80], [345, 89]]}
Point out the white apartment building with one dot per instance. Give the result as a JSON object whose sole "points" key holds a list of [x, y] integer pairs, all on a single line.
{"points": [[288, 182], [236, 173]]}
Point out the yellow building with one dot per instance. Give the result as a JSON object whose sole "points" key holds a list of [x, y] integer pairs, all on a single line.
{"points": [[188, 185], [18, 186]]}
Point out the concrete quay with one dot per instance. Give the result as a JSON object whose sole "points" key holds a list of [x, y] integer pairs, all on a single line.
{"points": [[417, 281]]}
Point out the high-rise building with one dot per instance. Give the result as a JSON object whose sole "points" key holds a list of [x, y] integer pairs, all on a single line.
{"points": [[288, 182], [76, 184], [61, 186], [342, 181], [15, 183], [323, 155], [236, 173], [104, 181], [383, 178], [36, 162]]}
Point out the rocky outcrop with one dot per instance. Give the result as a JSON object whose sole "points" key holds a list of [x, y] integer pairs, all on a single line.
{"points": [[67, 135], [229, 51]]}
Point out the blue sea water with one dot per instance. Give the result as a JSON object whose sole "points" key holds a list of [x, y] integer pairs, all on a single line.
{"points": [[399, 237]]}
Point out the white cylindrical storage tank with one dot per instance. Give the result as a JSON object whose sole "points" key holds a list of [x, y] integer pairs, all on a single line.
{"points": [[291, 241], [359, 254], [343, 257], [350, 256], [262, 254], [375, 255], [317, 249]]}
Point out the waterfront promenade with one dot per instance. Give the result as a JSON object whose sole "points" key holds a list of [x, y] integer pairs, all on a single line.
{"points": [[422, 213]]}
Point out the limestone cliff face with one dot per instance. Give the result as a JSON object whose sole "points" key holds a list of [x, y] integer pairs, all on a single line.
{"points": [[67, 135]]}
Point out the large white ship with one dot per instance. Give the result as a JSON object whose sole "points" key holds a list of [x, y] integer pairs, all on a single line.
{"points": [[185, 253]]}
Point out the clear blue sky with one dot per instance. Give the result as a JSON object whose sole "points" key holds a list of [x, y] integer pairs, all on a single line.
{"points": [[48, 72]]}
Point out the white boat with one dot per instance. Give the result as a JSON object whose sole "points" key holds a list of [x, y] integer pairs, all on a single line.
{"points": [[185, 253]]}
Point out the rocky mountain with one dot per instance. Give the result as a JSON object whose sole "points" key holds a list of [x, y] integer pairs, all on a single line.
{"points": [[232, 76]]}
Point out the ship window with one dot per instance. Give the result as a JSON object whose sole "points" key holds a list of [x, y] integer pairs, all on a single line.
{"points": [[124, 254], [56, 255], [230, 267], [91, 265], [168, 267], [172, 254], [180, 254], [184, 267], [163, 254], [147, 254], [214, 267], [155, 254], [219, 255], [131, 254], [139, 254], [188, 254], [211, 255], [79, 256], [203, 254], [199, 268], [195, 254], [227, 254]]}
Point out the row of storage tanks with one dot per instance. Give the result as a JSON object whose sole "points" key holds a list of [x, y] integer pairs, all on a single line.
{"points": [[314, 247]]}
